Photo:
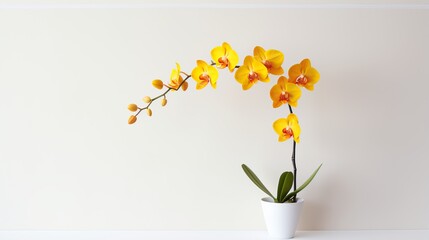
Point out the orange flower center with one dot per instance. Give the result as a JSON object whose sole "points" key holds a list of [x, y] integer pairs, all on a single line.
{"points": [[175, 82], [301, 80], [224, 62], [268, 64], [204, 77], [284, 97], [287, 132], [253, 76]]}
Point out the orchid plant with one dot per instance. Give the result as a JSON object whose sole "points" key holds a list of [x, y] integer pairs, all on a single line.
{"points": [[256, 68]]}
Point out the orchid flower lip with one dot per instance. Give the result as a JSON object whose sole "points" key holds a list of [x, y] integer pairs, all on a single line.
{"points": [[301, 79], [253, 76], [268, 64], [223, 62], [288, 132], [284, 97], [205, 77]]}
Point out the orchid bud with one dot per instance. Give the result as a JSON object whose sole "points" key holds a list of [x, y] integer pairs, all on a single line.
{"points": [[147, 99], [185, 86], [158, 84], [132, 107], [132, 119]]}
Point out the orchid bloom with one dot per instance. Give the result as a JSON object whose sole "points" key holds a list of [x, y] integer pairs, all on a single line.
{"points": [[203, 74], [175, 78], [285, 93], [251, 72], [304, 75], [287, 128], [224, 56], [272, 59]]}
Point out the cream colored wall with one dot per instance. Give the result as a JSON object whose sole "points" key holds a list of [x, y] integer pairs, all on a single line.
{"points": [[68, 160]]}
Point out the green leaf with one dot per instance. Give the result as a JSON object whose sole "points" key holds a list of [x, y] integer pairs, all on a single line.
{"points": [[256, 180], [285, 184], [290, 195]]}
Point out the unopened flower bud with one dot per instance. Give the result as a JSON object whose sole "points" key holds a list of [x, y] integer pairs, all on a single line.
{"points": [[164, 102], [147, 99], [158, 84], [132, 107], [185, 86], [149, 112], [132, 119]]}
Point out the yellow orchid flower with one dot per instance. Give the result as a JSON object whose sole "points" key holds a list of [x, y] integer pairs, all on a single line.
{"points": [[224, 56], [250, 72], [287, 127], [272, 59], [175, 78], [285, 93], [304, 75], [203, 74]]}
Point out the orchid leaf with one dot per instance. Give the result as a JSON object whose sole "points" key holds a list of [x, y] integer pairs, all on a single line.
{"points": [[256, 180], [285, 184], [290, 195]]}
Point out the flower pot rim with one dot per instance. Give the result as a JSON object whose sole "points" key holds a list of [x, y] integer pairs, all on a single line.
{"points": [[270, 200]]}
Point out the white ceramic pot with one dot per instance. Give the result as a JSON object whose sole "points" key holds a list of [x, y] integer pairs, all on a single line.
{"points": [[281, 218]]}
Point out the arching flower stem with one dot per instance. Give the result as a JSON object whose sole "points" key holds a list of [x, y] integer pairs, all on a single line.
{"points": [[165, 93]]}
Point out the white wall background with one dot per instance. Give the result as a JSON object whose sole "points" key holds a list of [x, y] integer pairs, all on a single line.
{"points": [[68, 160]]}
